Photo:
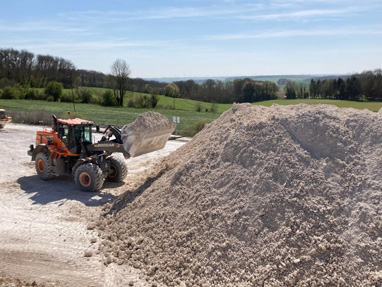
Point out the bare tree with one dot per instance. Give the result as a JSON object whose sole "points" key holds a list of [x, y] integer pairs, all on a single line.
{"points": [[121, 71]]}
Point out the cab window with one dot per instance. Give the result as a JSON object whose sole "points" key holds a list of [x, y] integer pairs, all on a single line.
{"points": [[63, 132], [83, 132], [87, 133]]}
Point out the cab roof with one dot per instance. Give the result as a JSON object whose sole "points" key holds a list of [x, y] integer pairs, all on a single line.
{"points": [[74, 122]]}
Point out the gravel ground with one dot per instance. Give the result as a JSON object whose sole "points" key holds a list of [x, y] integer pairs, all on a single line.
{"points": [[44, 226]]}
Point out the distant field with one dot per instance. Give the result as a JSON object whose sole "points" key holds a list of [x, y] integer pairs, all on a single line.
{"points": [[275, 79], [190, 105], [164, 102], [185, 109], [103, 115]]}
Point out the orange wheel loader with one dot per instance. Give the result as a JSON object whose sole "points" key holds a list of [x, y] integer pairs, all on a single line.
{"points": [[67, 148]]}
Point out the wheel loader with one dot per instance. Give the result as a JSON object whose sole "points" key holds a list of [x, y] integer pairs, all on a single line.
{"points": [[68, 148], [4, 118]]}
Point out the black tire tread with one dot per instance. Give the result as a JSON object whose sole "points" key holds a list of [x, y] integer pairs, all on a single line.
{"points": [[49, 169], [95, 172], [121, 168]]}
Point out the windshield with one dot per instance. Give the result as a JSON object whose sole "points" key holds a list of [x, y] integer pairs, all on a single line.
{"points": [[84, 132]]}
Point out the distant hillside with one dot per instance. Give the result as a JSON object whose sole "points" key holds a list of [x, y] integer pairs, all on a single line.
{"points": [[271, 78], [331, 77], [177, 79]]}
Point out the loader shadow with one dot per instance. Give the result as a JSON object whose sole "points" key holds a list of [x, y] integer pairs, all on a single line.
{"points": [[130, 196], [112, 185], [60, 189]]}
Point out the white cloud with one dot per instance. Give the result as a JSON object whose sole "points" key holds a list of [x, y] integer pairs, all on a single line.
{"points": [[275, 10], [107, 44], [299, 14], [32, 26], [162, 13], [297, 33]]}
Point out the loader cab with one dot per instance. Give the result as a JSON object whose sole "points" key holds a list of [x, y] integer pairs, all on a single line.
{"points": [[74, 131]]}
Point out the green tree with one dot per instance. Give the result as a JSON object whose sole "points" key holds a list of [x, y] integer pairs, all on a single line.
{"points": [[290, 90], [198, 107], [154, 97], [248, 92], [10, 92], [353, 88], [282, 81], [341, 88], [121, 72], [85, 95], [214, 108], [54, 90], [313, 91], [108, 99], [172, 90]]}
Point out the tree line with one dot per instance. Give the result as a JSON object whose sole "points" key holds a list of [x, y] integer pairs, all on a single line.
{"points": [[20, 70], [90, 78], [363, 86], [239, 90], [36, 71]]}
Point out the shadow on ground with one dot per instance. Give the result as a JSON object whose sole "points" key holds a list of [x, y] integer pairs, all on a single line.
{"points": [[130, 195], [62, 189], [3, 130]]}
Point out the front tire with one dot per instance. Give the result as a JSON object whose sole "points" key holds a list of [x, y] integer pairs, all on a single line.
{"points": [[118, 169], [88, 177], [43, 168]]}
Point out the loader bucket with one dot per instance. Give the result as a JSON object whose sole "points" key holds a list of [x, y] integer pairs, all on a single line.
{"points": [[148, 133]]}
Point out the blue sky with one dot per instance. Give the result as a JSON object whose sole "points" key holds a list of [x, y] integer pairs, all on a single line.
{"points": [[194, 38]]}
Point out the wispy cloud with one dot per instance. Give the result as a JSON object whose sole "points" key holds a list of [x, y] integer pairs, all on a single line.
{"points": [[108, 44], [162, 13], [297, 33], [193, 32], [299, 14], [36, 26], [298, 3], [274, 10]]}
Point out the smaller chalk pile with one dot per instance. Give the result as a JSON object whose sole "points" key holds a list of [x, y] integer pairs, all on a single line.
{"points": [[149, 132]]}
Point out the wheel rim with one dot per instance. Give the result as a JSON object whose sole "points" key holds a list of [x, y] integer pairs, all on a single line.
{"points": [[85, 179], [40, 165], [113, 171]]}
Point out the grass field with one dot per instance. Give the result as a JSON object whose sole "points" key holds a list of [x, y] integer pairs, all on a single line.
{"points": [[164, 102], [103, 115], [185, 109], [96, 92], [189, 105]]}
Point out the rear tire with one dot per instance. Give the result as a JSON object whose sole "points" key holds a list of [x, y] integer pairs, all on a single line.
{"points": [[1, 126], [43, 168], [88, 177], [118, 169]]}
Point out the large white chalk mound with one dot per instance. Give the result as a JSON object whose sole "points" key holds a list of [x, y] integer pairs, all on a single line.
{"points": [[279, 196]]}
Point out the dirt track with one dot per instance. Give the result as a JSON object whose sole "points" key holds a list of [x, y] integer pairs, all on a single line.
{"points": [[44, 224]]}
